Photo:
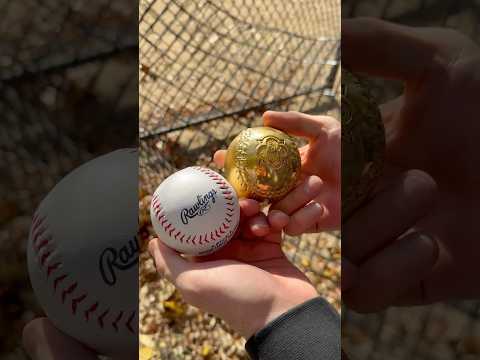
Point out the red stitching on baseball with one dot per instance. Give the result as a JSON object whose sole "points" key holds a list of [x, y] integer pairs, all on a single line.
{"points": [[76, 301], [68, 290], [52, 267], [44, 257], [36, 234], [228, 220], [37, 221], [91, 309], [58, 280], [129, 322], [35, 218], [228, 197], [114, 324], [43, 243], [102, 316], [167, 227]]}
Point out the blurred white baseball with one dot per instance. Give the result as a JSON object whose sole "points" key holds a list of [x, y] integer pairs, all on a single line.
{"points": [[195, 211], [83, 254]]}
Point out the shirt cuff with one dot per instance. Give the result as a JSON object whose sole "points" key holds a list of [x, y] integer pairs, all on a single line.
{"points": [[308, 331]]}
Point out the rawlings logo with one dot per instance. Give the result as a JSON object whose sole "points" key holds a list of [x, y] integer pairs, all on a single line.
{"points": [[113, 259], [200, 208]]}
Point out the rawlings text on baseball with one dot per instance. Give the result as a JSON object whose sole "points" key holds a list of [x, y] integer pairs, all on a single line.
{"points": [[201, 207]]}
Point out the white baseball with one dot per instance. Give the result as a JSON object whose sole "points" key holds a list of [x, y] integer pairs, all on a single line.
{"points": [[83, 254], [195, 211]]}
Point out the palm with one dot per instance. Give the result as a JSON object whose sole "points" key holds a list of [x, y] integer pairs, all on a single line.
{"points": [[264, 253], [246, 274]]}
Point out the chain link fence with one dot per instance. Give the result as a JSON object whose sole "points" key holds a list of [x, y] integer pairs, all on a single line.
{"points": [[209, 69], [68, 92], [443, 330]]}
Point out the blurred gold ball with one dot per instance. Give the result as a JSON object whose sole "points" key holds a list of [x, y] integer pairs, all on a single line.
{"points": [[262, 163], [363, 143]]}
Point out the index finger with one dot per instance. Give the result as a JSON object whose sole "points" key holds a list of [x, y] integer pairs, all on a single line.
{"points": [[372, 228], [385, 49], [299, 124]]}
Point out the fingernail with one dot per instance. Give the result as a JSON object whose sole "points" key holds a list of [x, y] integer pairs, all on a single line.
{"points": [[317, 207], [260, 228], [429, 242], [313, 185]]}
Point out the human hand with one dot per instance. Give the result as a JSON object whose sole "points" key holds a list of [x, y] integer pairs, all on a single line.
{"points": [[314, 205], [43, 341], [416, 241], [249, 282]]}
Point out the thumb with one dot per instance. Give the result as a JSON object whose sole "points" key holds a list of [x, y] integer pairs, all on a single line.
{"points": [[394, 51], [43, 341]]}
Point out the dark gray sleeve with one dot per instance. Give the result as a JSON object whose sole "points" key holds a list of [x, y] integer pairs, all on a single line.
{"points": [[310, 331]]}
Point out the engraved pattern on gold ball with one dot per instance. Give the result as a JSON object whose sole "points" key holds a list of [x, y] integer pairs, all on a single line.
{"points": [[262, 163]]}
